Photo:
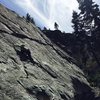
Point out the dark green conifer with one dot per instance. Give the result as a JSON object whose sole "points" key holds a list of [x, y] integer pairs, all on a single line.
{"points": [[56, 26], [28, 17]]}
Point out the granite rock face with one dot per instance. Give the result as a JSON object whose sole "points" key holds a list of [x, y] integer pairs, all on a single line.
{"points": [[33, 68]]}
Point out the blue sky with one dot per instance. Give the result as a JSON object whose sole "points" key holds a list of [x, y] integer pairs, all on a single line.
{"points": [[46, 12]]}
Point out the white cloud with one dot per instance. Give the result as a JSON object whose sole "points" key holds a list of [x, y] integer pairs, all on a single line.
{"points": [[46, 12]]}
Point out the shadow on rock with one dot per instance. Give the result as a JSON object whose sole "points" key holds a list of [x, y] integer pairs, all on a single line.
{"points": [[83, 91]]}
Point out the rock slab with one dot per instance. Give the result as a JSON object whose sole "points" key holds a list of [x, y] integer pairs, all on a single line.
{"points": [[32, 67]]}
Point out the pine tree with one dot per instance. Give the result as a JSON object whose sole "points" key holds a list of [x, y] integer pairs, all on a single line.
{"points": [[90, 23], [56, 26], [79, 33], [89, 19], [32, 21], [96, 27], [90, 16], [28, 17], [75, 22]]}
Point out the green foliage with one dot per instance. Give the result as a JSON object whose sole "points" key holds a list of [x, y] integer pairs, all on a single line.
{"points": [[32, 21], [86, 25], [29, 19], [76, 23], [94, 79], [56, 26], [88, 20], [45, 29], [89, 17]]}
